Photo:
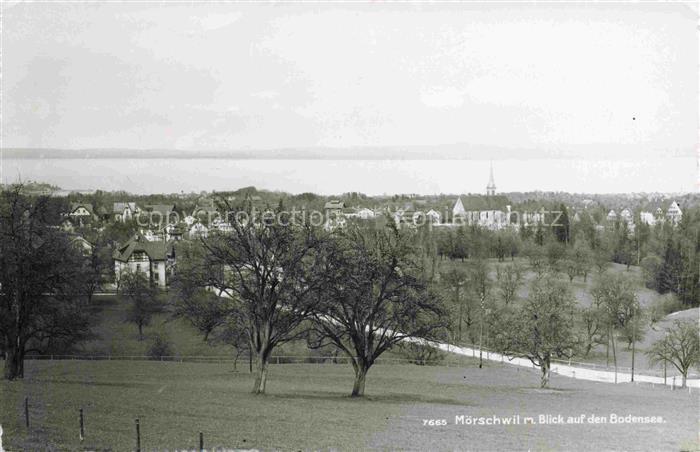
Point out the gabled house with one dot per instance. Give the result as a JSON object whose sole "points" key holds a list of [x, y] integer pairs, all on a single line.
{"points": [[674, 214], [140, 255], [81, 244], [81, 210], [124, 211], [458, 209], [433, 216], [198, 230]]}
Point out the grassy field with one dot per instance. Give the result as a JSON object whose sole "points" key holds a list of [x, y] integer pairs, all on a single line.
{"points": [[307, 407]]}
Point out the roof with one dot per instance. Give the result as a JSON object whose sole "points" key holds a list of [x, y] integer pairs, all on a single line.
{"points": [[458, 209], [334, 204], [76, 205], [156, 251], [119, 207]]}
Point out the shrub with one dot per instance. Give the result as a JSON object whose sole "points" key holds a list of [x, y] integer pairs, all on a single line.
{"points": [[420, 354], [160, 347], [663, 306]]}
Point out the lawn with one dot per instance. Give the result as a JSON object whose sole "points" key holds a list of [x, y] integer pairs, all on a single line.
{"points": [[307, 407]]}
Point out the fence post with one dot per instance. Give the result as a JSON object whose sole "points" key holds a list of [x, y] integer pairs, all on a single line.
{"points": [[201, 442], [82, 426], [26, 411], [138, 436]]}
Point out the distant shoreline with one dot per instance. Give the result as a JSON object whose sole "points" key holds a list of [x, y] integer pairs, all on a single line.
{"points": [[446, 152]]}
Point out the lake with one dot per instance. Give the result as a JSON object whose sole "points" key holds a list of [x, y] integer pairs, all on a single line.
{"points": [[373, 177]]}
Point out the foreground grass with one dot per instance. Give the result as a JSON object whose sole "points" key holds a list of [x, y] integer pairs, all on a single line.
{"points": [[307, 407]]}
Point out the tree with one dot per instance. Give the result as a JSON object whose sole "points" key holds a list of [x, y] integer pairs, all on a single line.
{"points": [[481, 285], [592, 325], [373, 298], [509, 278], [616, 296], [560, 225], [583, 256], [143, 299], [219, 319], [267, 263], [456, 280], [680, 347], [41, 305], [542, 328], [96, 267]]}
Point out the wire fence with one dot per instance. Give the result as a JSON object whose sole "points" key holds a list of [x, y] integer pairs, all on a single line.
{"points": [[280, 359]]}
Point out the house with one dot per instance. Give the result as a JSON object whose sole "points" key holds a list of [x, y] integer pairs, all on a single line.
{"points": [[81, 244], [612, 216], [174, 232], [647, 218], [140, 255], [198, 230], [365, 214], [124, 211], [458, 209], [674, 214], [81, 210], [334, 215], [433, 216]]}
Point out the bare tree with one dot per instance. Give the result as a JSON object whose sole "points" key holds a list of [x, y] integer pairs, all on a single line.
{"points": [[456, 280], [481, 284], [593, 326], [615, 294], [373, 298], [542, 328], [41, 303], [266, 263], [680, 347], [142, 297], [509, 278]]}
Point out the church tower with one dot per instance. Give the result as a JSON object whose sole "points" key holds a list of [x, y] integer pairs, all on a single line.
{"points": [[491, 187]]}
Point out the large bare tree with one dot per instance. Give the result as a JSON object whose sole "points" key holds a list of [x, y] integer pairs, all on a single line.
{"points": [[373, 297], [41, 297], [266, 262]]}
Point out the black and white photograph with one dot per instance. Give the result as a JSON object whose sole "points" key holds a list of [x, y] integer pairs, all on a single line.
{"points": [[314, 225]]}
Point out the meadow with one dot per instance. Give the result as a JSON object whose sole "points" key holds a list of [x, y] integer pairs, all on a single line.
{"points": [[307, 408]]}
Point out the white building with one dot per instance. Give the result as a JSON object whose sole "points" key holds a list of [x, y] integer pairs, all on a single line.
{"points": [[140, 255], [674, 214]]}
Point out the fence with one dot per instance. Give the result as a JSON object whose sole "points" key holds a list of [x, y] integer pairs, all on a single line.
{"points": [[572, 369], [280, 359]]}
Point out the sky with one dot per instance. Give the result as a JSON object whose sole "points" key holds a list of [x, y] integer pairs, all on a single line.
{"points": [[536, 80]]}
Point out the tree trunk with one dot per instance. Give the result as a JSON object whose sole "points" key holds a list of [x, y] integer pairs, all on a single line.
{"points": [[612, 341], [545, 365], [14, 363], [461, 309], [261, 377], [358, 389], [684, 377]]}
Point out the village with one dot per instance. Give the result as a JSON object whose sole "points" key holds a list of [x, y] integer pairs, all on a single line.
{"points": [[157, 228]]}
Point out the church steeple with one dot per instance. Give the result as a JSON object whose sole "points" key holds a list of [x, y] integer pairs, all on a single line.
{"points": [[491, 187]]}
